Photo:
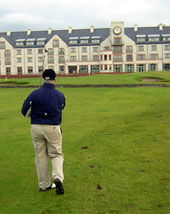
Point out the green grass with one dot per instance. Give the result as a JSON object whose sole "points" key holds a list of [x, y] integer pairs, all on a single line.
{"points": [[127, 134], [130, 78]]}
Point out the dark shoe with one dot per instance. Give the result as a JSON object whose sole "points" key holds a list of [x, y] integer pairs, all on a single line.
{"points": [[59, 187], [45, 189]]}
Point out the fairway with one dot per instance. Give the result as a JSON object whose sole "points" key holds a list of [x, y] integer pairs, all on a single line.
{"points": [[116, 149]]}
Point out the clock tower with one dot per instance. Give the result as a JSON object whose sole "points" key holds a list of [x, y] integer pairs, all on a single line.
{"points": [[116, 31]]}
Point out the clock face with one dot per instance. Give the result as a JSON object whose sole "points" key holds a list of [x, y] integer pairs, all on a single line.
{"points": [[117, 30]]}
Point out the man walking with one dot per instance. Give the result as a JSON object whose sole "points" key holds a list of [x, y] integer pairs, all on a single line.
{"points": [[45, 107]]}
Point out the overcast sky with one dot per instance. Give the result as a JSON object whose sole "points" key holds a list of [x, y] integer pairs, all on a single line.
{"points": [[19, 15]]}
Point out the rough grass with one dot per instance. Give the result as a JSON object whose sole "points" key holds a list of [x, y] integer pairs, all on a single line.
{"points": [[130, 78], [116, 147]]}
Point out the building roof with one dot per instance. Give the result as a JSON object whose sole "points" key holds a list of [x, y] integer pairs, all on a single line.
{"points": [[98, 33]]}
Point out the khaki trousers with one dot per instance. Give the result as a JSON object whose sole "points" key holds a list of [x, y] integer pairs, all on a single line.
{"points": [[47, 141]]}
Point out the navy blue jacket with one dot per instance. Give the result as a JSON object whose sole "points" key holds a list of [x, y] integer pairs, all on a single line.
{"points": [[47, 104]]}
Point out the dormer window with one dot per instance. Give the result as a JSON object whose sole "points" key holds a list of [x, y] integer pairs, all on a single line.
{"points": [[20, 42], [140, 38], [95, 41], [30, 42], [166, 37], [40, 41], [154, 38], [73, 42], [84, 41]]}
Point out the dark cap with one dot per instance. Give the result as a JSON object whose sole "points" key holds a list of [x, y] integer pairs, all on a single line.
{"points": [[49, 74]]}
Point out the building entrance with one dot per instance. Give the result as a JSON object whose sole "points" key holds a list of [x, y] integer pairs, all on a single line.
{"points": [[141, 68]]}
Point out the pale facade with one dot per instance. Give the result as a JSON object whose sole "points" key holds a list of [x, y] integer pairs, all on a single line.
{"points": [[114, 49]]}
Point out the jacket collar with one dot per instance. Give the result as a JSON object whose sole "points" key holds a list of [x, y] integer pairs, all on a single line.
{"points": [[48, 85]]}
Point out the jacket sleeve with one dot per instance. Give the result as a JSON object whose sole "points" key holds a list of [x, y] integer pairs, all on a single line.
{"points": [[26, 105], [64, 102]]}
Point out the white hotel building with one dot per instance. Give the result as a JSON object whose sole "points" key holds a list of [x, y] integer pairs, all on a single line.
{"points": [[114, 49]]}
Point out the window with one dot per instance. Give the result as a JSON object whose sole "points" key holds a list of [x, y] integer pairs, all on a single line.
{"points": [[129, 57], [84, 41], [19, 52], [95, 68], [153, 39], [152, 67], [141, 67], [84, 58], [129, 49], [40, 69], [72, 50], [95, 41], [105, 67], [84, 50], [166, 39], [40, 43], [117, 41], [95, 49], [105, 57], [40, 59], [166, 67], [31, 43], [50, 59], [141, 56], [110, 57], [7, 53], [73, 42], [167, 47], [167, 56], [61, 51], [83, 69], [2, 45], [55, 43], [153, 47], [140, 48], [7, 61], [29, 59], [117, 49], [129, 68], [153, 56], [8, 71], [19, 44], [140, 39], [19, 60], [61, 69], [95, 58], [117, 68], [117, 58], [61, 59], [29, 51], [40, 51], [50, 51], [72, 58], [30, 70], [19, 70]]}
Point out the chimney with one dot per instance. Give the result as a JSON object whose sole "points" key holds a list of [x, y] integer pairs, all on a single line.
{"points": [[160, 26], [8, 32], [29, 31], [50, 30], [136, 27], [70, 30], [91, 29]]}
